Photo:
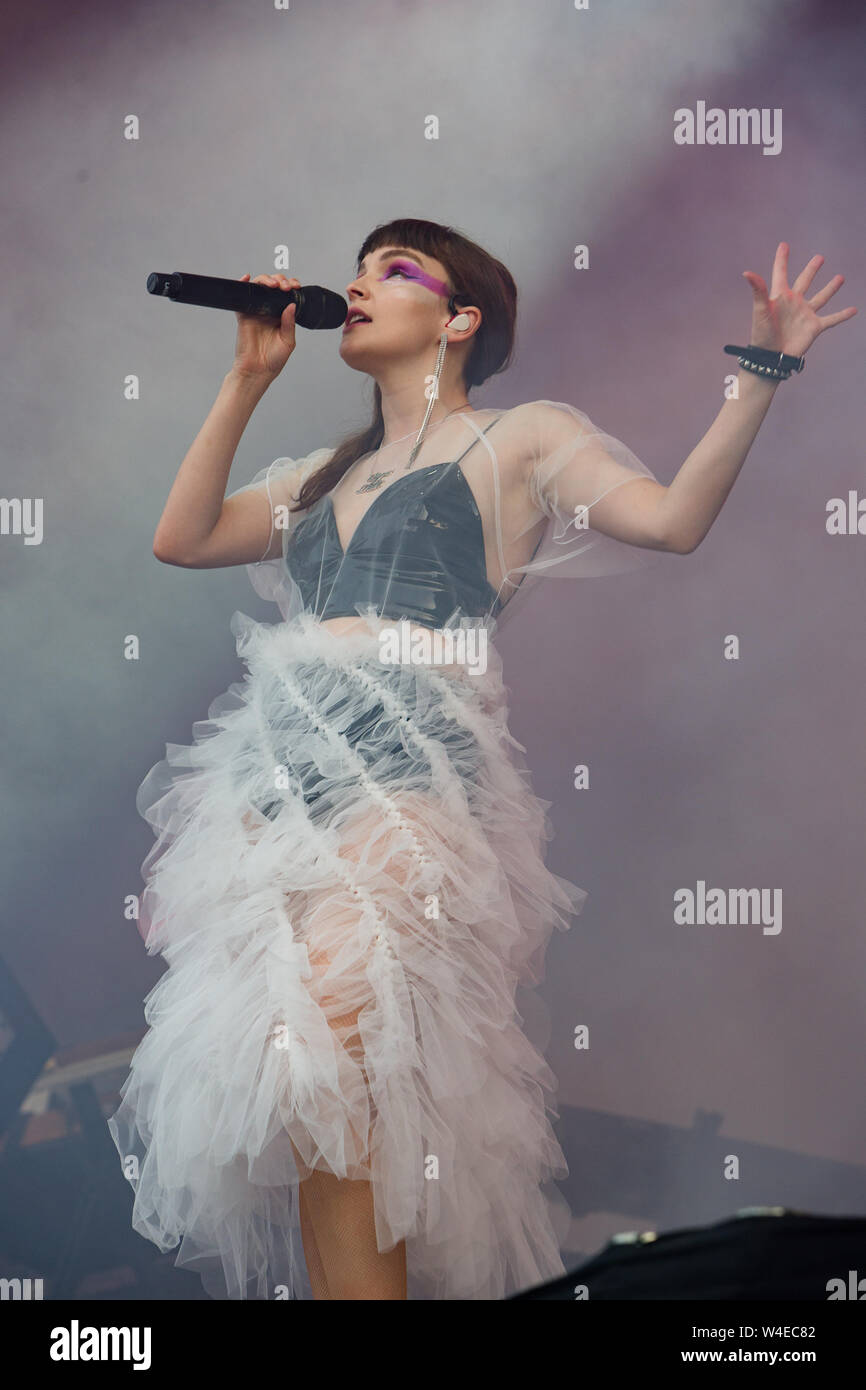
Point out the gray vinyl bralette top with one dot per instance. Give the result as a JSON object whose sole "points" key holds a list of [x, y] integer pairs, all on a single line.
{"points": [[417, 552]]}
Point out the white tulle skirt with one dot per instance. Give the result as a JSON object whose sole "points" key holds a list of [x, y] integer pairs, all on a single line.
{"points": [[348, 886]]}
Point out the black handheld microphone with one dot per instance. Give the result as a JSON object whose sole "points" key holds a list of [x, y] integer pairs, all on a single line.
{"points": [[317, 307]]}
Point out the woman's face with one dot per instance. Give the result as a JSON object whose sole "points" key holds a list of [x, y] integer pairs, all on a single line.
{"points": [[403, 295]]}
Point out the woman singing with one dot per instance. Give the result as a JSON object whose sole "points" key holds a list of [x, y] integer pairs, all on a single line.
{"points": [[335, 1098]]}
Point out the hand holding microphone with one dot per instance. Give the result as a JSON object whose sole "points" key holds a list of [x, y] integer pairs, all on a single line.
{"points": [[264, 345]]}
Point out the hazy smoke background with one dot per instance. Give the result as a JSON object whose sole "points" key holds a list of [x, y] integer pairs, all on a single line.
{"points": [[260, 127]]}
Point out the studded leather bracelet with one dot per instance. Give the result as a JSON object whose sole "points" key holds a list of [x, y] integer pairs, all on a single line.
{"points": [[766, 362]]}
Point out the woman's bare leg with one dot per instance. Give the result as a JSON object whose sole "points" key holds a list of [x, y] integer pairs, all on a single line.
{"points": [[338, 1215], [338, 1229], [340, 1245], [341, 1213]]}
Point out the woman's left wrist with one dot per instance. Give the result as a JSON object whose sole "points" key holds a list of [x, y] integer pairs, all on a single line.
{"points": [[758, 386]]}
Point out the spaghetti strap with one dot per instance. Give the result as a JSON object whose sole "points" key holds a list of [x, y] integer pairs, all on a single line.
{"points": [[475, 441]]}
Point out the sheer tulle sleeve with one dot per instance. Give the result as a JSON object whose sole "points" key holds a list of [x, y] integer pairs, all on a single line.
{"points": [[573, 464], [279, 484]]}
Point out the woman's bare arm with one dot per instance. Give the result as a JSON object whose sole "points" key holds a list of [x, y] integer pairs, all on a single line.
{"points": [[678, 516], [697, 494], [198, 528]]}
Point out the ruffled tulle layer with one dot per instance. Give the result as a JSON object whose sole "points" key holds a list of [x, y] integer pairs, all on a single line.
{"points": [[347, 883]]}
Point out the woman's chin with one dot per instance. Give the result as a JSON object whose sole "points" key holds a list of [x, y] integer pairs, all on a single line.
{"points": [[352, 357]]}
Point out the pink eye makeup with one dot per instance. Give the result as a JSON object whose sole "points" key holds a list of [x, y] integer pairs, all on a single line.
{"points": [[403, 268], [414, 272]]}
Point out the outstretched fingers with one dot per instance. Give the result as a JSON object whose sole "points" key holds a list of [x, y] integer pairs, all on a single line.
{"points": [[779, 280], [807, 275], [757, 283], [832, 319], [779, 286], [819, 299]]}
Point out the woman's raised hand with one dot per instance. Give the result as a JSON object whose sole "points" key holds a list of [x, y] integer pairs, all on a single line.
{"points": [[263, 345], [782, 317]]}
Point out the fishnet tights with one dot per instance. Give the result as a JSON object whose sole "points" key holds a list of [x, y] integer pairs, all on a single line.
{"points": [[339, 1236]]}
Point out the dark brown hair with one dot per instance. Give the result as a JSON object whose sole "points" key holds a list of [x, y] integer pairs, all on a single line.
{"points": [[475, 277]]}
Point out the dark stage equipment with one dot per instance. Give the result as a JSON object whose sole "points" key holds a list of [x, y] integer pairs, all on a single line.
{"points": [[767, 1253]]}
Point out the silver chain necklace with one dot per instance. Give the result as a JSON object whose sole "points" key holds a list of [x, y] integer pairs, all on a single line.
{"points": [[377, 478]]}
